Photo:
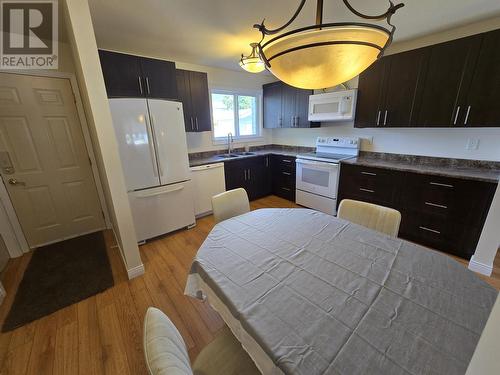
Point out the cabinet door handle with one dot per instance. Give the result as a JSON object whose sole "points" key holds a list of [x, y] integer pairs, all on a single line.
{"points": [[147, 85], [286, 161], [245, 172], [287, 189], [430, 230], [385, 117], [369, 173], [249, 175], [140, 84], [297, 121], [435, 205], [378, 117], [192, 125], [456, 115], [267, 161], [287, 173], [196, 122], [440, 184], [367, 190], [467, 115]]}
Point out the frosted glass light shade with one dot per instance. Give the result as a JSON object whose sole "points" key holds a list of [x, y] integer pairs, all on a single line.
{"points": [[327, 65], [252, 64]]}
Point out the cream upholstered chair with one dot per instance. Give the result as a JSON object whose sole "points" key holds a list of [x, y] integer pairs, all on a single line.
{"points": [[380, 218], [229, 204], [166, 352]]}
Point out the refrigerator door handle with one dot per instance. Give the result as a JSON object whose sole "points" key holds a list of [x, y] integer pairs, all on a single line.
{"points": [[148, 194], [151, 146], [160, 168]]}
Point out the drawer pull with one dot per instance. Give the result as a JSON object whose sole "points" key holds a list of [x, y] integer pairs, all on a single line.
{"points": [[287, 189], [435, 205], [369, 173], [286, 173], [430, 230], [440, 184], [367, 190], [286, 160]]}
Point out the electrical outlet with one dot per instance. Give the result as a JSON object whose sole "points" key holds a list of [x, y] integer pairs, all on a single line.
{"points": [[368, 140], [472, 144]]}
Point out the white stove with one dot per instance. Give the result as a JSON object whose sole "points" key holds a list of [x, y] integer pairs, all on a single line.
{"points": [[318, 172]]}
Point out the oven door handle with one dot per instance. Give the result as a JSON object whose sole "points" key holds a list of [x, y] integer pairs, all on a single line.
{"points": [[323, 164]]}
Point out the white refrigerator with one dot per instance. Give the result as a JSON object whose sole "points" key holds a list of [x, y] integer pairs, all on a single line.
{"points": [[153, 150]]}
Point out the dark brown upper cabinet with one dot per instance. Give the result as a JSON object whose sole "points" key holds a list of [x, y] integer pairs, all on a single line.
{"points": [[272, 98], [193, 92], [448, 74], [122, 74], [371, 82], [159, 78], [286, 106], [386, 90], [481, 106], [452, 84], [135, 76]]}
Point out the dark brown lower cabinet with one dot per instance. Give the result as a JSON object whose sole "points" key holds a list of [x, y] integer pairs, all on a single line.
{"points": [[444, 213], [283, 176], [262, 175], [253, 174]]}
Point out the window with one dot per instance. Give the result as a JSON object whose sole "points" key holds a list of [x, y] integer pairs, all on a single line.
{"points": [[235, 113]]}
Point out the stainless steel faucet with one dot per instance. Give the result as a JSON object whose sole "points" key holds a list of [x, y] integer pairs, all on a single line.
{"points": [[229, 141]]}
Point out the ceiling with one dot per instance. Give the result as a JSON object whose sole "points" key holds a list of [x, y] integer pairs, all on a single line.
{"points": [[216, 32]]}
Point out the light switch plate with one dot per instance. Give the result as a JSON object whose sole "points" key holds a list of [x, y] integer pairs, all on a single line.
{"points": [[472, 144]]}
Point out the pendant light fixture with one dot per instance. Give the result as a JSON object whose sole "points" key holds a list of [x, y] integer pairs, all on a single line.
{"points": [[325, 54], [252, 63]]}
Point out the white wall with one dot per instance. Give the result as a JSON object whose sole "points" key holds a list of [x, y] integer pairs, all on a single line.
{"points": [[93, 92], [444, 142]]}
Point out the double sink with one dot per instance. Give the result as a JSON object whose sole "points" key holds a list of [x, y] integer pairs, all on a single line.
{"points": [[235, 155]]}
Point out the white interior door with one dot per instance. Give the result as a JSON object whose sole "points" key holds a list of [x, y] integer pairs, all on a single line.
{"points": [[135, 143], [50, 183], [167, 120]]}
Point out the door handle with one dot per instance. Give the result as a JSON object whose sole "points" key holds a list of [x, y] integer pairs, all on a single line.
{"points": [[249, 176], [192, 125], [378, 117], [196, 122], [467, 115], [147, 85], [456, 115], [385, 117], [13, 181], [140, 84], [245, 172]]}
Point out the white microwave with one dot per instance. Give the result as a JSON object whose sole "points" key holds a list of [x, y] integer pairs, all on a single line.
{"points": [[333, 106]]}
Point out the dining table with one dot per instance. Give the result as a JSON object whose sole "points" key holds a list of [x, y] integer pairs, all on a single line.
{"points": [[309, 293]]}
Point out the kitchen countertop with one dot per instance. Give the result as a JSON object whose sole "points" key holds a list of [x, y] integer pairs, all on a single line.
{"points": [[203, 158], [488, 171]]}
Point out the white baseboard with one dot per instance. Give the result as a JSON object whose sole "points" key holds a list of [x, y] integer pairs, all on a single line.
{"points": [[136, 271], [485, 269]]}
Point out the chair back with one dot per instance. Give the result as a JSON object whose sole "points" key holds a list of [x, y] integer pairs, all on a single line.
{"points": [[379, 218], [229, 204], [164, 348]]}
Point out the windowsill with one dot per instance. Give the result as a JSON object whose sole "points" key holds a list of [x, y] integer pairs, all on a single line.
{"points": [[223, 141]]}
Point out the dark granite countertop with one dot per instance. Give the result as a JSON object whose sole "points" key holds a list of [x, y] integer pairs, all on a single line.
{"points": [[210, 157], [479, 170]]}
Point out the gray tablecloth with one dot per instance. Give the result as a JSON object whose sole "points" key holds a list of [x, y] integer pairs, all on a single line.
{"points": [[321, 295]]}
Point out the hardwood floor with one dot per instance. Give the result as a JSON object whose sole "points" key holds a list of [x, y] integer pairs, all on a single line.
{"points": [[103, 334]]}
